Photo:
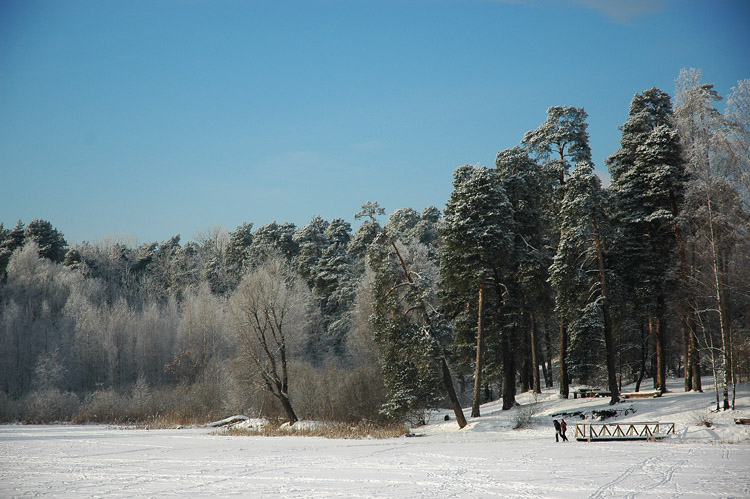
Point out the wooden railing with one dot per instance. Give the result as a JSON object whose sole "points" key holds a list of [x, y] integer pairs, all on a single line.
{"points": [[623, 431]]}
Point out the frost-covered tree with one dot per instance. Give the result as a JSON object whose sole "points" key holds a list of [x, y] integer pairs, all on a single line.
{"points": [[476, 256], [336, 282], [561, 141], [737, 120], [579, 276], [270, 239], [710, 142], [368, 230], [238, 252], [52, 244], [533, 234], [31, 316], [648, 179], [11, 240], [323, 262], [270, 313], [408, 330], [311, 242], [201, 336], [213, 244]]}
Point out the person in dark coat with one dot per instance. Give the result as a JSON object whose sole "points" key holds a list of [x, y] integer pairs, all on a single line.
{"points": [[563, 429], [557, 430]]}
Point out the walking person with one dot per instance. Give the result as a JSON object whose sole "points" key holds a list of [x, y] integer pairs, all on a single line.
{"points": [[563, 429], [557, 430]]}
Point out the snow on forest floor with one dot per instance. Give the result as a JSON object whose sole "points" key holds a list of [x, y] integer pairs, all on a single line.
{"points": [[486, 459]]}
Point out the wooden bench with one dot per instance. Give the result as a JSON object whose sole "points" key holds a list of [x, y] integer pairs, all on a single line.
{"points": [[589, 393], [641, 395], [592, 432]]}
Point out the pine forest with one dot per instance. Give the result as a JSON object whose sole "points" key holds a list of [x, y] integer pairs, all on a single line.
{"points": [[533, 275]]}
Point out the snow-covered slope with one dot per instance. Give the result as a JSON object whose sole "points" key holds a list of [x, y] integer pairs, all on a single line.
{"points": [[683, 409]]}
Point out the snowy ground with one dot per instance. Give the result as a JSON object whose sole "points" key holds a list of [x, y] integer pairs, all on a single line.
{"points": [[486, 459]]}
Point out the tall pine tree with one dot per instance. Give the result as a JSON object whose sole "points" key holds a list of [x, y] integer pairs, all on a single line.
{"points": [[647, 177], [579, 268], [478, 247]]}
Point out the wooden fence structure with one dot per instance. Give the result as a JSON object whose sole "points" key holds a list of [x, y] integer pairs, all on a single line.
{"points": [[589, 432]]}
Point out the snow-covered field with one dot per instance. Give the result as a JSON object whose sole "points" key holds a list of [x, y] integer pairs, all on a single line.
{"points": [[486, 459]]}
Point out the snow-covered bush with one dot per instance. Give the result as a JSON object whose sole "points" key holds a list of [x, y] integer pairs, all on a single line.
{"points": [[48, 405], [102, 406], [524, 417], [703, 418], [337, 393]]}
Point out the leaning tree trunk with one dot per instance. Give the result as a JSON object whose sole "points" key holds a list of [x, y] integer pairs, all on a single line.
{"points": [[286, 404], [448, 383], [447, 378]]}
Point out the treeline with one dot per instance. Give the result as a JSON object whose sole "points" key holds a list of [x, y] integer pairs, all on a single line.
{"points": [[533, 275]]}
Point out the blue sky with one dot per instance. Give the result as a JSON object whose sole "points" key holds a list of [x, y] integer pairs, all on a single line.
{"points": [[155, 118]]}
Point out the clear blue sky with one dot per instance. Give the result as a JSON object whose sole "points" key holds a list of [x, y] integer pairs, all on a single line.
{"points": [[156, 118]]}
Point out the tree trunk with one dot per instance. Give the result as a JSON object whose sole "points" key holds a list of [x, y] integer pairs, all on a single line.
{"points": [[655, 331], [448, 383], [662, 355], [480, 354], [724, 326], [608, 340], [509, 382], [695, 362], [685, 350], [534, 360], [564, 380], [644, 356], [525, 371], [548, 377], [695, 359], [686, 323], [544, 370], [287, 405]]}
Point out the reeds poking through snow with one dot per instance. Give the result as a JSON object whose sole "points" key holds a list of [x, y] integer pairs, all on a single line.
{"points": [[702, 418], [362, 430]]}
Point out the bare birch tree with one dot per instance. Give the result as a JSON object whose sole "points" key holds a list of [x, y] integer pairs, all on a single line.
{"points": [[269, 312]]}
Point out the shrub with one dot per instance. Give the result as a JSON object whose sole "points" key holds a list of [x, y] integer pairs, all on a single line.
{"points": [[48, 405], [524, 418], [702, 418], [326, 430], [8, 408], [336, 393], [102, 406]]}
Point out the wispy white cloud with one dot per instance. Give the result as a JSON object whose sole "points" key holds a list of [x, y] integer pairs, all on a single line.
{"points": [[619, 11], [623, 11]]}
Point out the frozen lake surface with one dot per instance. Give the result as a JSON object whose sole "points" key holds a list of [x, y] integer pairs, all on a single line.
{"points": [[486, 459]]}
